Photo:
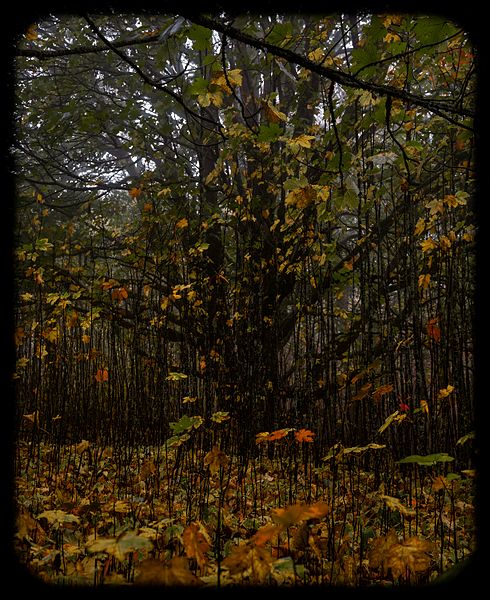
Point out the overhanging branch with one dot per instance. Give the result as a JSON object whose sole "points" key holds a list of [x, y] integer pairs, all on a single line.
{"points": [[443, 108]]}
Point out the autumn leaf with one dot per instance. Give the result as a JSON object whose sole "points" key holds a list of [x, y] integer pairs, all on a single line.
{"points": [[304, 435], [424, 281], [266, 533], [363, 392], [409, 557], [182, 223], [120, 546], [119, 294], [278, 434], [249, 561], [378, 551], [295, 513], [174, 573], [395, 504], [272, 114], [433, 330], [261, 437], [382, 390], [428, 245], [195, 544], [420, 226], [102, 375], [444, 393], [234, 78], [134, 192], [31, 33], [57, 518], [216, 459]]}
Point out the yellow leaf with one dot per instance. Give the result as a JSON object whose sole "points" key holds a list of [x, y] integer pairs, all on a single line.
{"points": [[31, 33], [424, 281], [424, 406], [428, 245], [182, 223], [272, 114], [234, 77], [316, 55], [444, 393], [420, 226], [435, 206], [249, 560], [391, 37]]}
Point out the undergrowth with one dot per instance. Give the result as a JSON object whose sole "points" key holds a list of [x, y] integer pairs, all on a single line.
{"points": [[93, 516]]}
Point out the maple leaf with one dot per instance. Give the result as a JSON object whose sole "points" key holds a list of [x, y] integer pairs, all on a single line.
{"points": [[119, 294], [182, 223], [382, 390], [295, 513], [266, 533], [428, 245], [216, 459], [249, 560], [304, 435], [410, 556], [134, 192], [444, 393], [176, 572], [195, 544], [433, 330], [424, 281], [272, 114], [102, 375]]}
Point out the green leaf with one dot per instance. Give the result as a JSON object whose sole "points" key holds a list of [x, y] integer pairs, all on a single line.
{"points": [[186, 423], [199, 86], [427, 460], [269, 133], [200, 37]]}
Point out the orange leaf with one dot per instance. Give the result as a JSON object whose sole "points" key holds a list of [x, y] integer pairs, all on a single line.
{"points": [[278, 434], [290, 515], [266, 533], [102, 375], [433, 330], [119, 294], [382, 390], [134, 192], [304, 435]]}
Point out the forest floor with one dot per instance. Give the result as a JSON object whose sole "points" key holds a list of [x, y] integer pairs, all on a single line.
{"points": [[96, 516]]}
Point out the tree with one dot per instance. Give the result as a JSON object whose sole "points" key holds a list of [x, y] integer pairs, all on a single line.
{"points": [[261, 215]]}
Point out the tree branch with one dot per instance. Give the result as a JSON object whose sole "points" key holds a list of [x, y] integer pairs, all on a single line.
{"points": [[446, 109]]}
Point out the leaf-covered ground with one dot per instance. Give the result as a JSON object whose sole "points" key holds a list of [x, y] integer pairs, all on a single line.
{"points": [[97, 516]]}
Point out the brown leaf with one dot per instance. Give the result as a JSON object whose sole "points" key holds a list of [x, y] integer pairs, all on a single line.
{"points": [[290, 515], [215, 458], [175, 572], [249, 560], [265, 534], [195, 544], [378, 550], [411, 556]]}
